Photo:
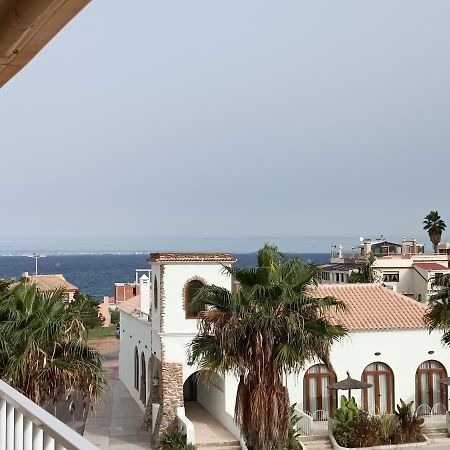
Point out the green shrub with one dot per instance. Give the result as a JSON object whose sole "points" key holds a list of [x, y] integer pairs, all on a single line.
{"points": [[175, 440], [355, 428], [365, 432], [389, 426], [344, 420], [410, 425]]}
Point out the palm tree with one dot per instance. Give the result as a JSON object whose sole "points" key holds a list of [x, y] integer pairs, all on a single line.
{"points": [[437, 316], [43, 349], [266, 330], [435, 226]]}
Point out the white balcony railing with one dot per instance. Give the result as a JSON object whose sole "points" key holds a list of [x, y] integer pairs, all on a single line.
{"points": [[26, 426]]}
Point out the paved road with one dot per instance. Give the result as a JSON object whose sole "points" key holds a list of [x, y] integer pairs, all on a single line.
{"points": [[74, 410]]}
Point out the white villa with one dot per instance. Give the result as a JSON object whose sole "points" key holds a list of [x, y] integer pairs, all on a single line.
{"points": [[388, 346], [404, 268]]}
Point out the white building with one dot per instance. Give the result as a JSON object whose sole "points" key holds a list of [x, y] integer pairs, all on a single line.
{"points": [[388, 345], [412, 275]]}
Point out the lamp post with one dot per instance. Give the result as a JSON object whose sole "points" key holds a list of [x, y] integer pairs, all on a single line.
{"points": [[36, 256]]}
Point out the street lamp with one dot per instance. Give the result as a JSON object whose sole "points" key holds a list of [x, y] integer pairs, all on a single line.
{"points": [[36, 256]]}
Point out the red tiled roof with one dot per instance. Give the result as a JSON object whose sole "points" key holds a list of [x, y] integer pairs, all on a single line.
{"points": [[130, 305], [192, 257], [373, 307], [431, 266]]}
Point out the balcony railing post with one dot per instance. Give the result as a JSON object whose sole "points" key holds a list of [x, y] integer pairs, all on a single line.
{"points": [[18, 430], [27, 433], [38, 438], [2, 424], [9, 427]]}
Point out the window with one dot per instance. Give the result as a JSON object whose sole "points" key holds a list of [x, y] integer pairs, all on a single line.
{"points": [[191, 291], [136, 369], [317, 396], [391, 277], [155, 294], [143, 389], [437, 279], [429, 390], [380, 397]]}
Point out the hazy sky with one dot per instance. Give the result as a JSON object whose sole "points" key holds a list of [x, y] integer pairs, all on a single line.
{"points": [[223, 124]]}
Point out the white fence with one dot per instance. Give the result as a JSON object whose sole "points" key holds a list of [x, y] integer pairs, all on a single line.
{"points": [[26, 426], [315, 424], [434, 418]]}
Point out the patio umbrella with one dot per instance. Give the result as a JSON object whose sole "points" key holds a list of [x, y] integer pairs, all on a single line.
{"points": [[445, 381], [349, 384]]}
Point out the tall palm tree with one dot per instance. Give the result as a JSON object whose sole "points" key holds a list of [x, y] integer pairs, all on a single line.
{"points": [[437, 316], [268, 329], [435, 226], [43, 350]]}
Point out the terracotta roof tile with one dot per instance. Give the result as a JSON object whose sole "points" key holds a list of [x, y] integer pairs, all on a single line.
{"points": [[51, 282], [430, 266], [373, 307], [131, 305], [191, 257]]}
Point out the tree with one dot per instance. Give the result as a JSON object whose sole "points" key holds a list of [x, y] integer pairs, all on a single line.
{"points": [[269, 328], [365, 272], [89, 308], [437, 316], [43, 349], [435, 226]]}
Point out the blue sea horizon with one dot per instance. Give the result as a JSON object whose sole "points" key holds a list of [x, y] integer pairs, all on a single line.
{"points": [[96, 273]]}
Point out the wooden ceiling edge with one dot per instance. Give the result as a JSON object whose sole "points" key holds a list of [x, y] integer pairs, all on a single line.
{"points": [[44, 33]]}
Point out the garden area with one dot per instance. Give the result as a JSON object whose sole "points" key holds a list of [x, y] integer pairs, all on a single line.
{"points": [[355, 428]]}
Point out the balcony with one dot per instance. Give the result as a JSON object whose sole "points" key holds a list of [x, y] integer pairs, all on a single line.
{"points": [[26, 426]]}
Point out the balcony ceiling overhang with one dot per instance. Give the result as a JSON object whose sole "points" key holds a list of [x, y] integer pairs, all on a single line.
{"points": [[26, 26]]}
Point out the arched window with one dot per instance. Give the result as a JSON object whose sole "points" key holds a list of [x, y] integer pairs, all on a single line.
{"points": [[143, 390], [316, 395], [155, 294], [429, 390], [191, 290], [380, 397], [136, 369]]}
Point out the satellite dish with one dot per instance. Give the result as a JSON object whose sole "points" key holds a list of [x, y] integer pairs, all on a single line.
{"points": [[361, 239]]}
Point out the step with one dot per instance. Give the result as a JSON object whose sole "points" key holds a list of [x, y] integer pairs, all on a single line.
{"points": [[230, 445]]}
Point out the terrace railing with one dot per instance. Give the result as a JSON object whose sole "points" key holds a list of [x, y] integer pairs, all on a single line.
{"points": [[26, 426]]}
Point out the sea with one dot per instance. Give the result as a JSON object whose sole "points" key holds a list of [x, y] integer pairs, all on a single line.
{"points": [[95, 274]]}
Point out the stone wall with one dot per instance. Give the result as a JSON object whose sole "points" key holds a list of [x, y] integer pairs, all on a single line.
{"points": [[171, 384]]}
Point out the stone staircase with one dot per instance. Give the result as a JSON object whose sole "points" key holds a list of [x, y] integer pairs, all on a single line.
{"points": [[230, 445], [316, 442]]}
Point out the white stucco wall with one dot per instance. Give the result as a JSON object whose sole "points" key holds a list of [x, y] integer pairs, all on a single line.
{"points": [[134, 332], [403, 351], [175, 278]]}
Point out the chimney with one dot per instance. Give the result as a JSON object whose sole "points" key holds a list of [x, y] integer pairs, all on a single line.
{"points": [[144, 289]]}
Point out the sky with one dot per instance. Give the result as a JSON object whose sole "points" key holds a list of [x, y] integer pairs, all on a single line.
{"points": [[203, 125]]}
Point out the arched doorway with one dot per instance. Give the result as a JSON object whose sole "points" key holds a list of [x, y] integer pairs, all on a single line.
{"points": [[316, 395], [136, 369], [380, 397], [143, 387], [429, 390], [190, 388]]}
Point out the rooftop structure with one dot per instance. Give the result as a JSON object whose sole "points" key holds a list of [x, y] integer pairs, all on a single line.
{"points": [[191, 257], [52, 282], [26, 27]]}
